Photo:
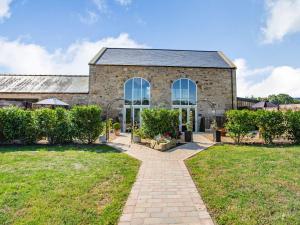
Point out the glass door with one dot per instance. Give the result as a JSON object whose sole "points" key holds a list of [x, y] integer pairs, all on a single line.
{"points": [[129, 113], [187, 114]]}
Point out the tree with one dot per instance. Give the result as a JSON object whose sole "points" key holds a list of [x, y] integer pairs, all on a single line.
{"points": [[281, 99]]}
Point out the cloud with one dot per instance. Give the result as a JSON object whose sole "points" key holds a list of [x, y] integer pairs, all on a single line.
{"points": [[283, 18], [4, 9], [101, 5], [22, 58], [124, 2], [90, 18], [267, 80]]}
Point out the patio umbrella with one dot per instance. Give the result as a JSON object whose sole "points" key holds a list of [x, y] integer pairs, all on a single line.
{"points": [[52, 102], [263, 105]]}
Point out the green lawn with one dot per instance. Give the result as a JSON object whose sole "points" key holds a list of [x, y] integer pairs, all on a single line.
{"points": [[249, 184], [64, 185]]}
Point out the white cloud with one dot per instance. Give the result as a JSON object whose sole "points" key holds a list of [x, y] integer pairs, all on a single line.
{"points": [[101, 5], [4, 9], [283, 18], [21, 58], [268, 80], [90, 18], [124, 2]]}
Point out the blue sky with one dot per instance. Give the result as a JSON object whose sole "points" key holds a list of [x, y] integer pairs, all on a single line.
{"points": [[261, 36]]}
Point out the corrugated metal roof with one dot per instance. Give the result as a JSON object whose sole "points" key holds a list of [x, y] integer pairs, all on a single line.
{"points": [[44, 84], [162, 57]]}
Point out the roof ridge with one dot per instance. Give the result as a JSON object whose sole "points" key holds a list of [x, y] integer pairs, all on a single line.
{"points": [[41, 75], [164, 49]]}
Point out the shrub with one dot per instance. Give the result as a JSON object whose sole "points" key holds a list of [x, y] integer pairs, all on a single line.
{"points": [[116, 126], [46, 121], [239, 124], [18, 124], [270, 124], [160, 121], [87, 123], [63, 129], [292, 122]]}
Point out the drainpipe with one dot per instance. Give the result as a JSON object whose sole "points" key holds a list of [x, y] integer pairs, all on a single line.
{"points": [[232, 98]]}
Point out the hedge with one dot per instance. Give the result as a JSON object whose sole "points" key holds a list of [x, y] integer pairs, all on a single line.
{"points": [[239, 124], [87, 123], [58, 126], [271, 124], [160, 122]]}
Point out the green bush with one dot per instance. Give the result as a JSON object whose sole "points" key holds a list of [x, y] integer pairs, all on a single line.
{"points": [[292, 123], [18, 124], [46, 121], [270, 124], [160, 121], [116, 126], [239, 124], [87, 123]]}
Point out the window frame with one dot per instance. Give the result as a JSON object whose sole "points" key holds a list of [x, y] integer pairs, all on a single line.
{"points": [[188, 90], [141, 92]]}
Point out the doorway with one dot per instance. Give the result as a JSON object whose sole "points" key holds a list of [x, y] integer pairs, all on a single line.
{"points": [[187, 114]]}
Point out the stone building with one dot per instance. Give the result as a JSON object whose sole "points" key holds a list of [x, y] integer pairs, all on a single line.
{"points": [[137, 79]]}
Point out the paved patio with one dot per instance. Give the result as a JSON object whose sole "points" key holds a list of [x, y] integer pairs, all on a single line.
{"points": [[164, 192]]}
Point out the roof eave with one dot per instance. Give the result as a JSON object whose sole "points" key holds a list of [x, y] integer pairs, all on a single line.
{"points": [[205, 67], [227, 60]]}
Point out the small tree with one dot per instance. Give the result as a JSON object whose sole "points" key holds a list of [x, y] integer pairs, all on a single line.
{"points": [[87, 123], [292, 123], [271, 124], [239, 124]]}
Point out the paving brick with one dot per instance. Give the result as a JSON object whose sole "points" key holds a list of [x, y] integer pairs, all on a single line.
{"points": [[164, 192]]}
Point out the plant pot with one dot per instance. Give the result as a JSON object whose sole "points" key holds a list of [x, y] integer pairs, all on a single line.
{"points": [[102, 139], [117, 132], [136, 139], [188, 136]]}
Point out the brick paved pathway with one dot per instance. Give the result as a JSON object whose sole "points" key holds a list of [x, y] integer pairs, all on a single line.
{"points": [[164, 192]]}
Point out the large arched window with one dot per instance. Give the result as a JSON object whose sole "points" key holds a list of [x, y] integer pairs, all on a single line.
{"points": [[137, 91], [184, 92]]}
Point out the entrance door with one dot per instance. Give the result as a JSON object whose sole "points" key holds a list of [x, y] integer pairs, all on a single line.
{"points": [[130, 113], [185, 114]]}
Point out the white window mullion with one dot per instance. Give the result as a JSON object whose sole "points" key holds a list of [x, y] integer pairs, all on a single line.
{"points": [[188, 92]]}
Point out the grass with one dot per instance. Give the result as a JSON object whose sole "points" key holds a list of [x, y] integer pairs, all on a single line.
{"points": [[249, 184], [64, 185]]}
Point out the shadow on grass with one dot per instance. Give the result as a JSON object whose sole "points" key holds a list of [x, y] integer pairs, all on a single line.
{"points": [[98, 148], [274, 145]]}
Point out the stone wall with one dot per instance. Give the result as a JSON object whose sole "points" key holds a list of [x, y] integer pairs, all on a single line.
{"points": [[214, 84], [72, 99]]}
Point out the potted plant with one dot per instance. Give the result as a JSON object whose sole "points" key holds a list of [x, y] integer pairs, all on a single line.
{"points": [[137, 135], [117, 128], [188, 134]]}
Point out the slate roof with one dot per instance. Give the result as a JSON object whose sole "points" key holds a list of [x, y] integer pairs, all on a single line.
{"points": [[44, 84], [162, 57], [263, 104]]}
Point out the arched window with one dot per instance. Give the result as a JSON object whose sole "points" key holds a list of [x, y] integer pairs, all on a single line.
{"points": [[184, 92], [137, 91]]}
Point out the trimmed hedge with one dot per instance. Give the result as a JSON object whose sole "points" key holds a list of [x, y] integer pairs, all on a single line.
{"points": [[239, 124], [58, 126], [160, 122], [271, 124], [87, 123]]}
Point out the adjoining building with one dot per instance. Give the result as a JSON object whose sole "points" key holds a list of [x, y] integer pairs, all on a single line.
{"points": [[186, 80]]}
